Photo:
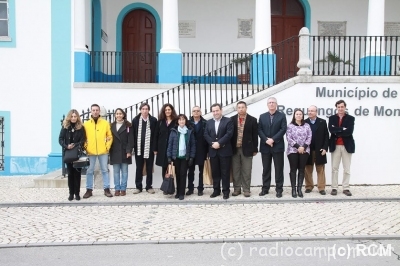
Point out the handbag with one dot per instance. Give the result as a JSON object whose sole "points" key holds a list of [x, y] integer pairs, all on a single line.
{"points": [[71, 155], [83, 162], [168, 185], [207, 173]]}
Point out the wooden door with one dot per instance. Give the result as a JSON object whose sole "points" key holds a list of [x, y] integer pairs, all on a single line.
{"points": [[139, 47], [287, 18]]}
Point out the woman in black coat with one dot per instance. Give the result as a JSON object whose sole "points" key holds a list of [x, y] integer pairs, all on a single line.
{"points": [[72, 134], [166, 121], [121, 151]]}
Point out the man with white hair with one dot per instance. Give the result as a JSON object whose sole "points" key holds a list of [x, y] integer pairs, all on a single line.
{"points": [[318, 148]]}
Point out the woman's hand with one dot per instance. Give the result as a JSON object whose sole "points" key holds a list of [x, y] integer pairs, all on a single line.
{"points": [[70, 146], [300, 150]]}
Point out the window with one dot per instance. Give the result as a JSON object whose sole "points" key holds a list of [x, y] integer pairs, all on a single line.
{"points": [[4, 18]]}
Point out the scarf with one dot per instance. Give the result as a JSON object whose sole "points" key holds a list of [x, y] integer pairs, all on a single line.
{"points": [[146, 139], [182, 143]]}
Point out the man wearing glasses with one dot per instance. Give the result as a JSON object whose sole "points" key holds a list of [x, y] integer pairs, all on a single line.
{"points": [[271, 129], [199, 124]]}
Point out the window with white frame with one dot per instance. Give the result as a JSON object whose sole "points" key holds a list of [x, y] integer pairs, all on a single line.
{"points": [[4, 18]]}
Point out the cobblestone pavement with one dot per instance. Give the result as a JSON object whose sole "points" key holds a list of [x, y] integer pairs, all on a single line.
{"points": [[261, 218]]}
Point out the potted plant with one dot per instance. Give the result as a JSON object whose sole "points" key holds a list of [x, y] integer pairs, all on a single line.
{"points": [[334, 60], [244, 63]]}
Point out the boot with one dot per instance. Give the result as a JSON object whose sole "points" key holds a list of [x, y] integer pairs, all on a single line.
{"points": [[107, 192], [293, 184], [88, 193], [77, 197], [71, 197], [300, 181]]}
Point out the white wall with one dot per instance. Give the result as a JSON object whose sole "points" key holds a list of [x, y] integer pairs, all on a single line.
{"points": [[25, 80]]}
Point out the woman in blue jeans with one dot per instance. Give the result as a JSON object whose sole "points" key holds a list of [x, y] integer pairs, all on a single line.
{"points": [[121, 151]]}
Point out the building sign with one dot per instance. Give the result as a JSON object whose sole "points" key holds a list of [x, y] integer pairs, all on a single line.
{"points": [[392, 28], [187, 29], [245, 28], [332, 28]]}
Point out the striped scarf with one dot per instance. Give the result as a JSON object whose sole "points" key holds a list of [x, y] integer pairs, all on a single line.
{"points": [[146, 139]]}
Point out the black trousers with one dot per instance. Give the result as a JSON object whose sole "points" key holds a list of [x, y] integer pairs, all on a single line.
{"points": [[74, 179], [181, 169], [221, 169], [191, 178], [266, 175], [298, 162], [139, 171]]}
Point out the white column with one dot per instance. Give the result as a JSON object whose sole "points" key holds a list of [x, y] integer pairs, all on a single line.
{"points": [[304, 63], [262, 32], [376, 25], [79, 26], [170, 27]]}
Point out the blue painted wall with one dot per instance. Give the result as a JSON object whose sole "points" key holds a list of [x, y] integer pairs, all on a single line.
{"points": [[60, 74]]}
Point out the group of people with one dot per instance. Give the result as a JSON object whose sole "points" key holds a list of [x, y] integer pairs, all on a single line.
{"points": [[229, 143]]}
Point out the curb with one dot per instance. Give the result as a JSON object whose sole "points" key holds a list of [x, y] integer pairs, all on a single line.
{"points": [[207, 241], [195, 202]]}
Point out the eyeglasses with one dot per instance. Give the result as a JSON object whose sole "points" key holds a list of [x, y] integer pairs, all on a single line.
{"points": [[196, 111]]}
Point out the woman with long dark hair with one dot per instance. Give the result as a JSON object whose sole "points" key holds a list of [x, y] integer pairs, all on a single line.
{"points": [[181, 152], [72, 134], [166, 121], [298, 136], [121, 151]]}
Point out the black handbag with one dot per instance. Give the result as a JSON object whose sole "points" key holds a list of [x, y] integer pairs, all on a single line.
{"points": [[168, 185], [81, 163], [71, 155]]}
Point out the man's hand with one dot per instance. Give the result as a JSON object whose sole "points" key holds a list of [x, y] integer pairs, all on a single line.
{"points": [[155, 153], [270, 142], [128, 155], [300, 150], [215, 145], [254, 153], [323, 152]]}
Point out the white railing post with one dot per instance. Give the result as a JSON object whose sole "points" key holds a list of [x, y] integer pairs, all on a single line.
{"points": [[304, 53]]}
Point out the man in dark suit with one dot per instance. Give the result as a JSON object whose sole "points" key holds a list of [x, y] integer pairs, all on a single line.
{"points": [[143, 128], [341, 145], [245, 146], [318, 149], [199, 125], [271, 129], [218, 134]]}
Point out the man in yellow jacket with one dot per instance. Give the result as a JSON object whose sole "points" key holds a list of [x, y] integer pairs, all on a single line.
{"points": [[98, 142]]}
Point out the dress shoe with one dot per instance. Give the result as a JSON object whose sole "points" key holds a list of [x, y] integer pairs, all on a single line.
{"points": [[165, 193], [236, 193], [88, 193], [246, 194], [107, 193], [123, 193], [137, 191], [71, 197], [151, 191], [176, 196], [263, 193], [226, 196], [189, 192], [308, 190], [347, 192], [214, 194], [181, 197], [334, 192], [322, 192], [200, 193], [77, 197], [117, 193], [279, 194]]}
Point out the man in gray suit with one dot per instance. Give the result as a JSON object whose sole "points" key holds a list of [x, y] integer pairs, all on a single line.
{"points": [[218, 134], [271, 129]]}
